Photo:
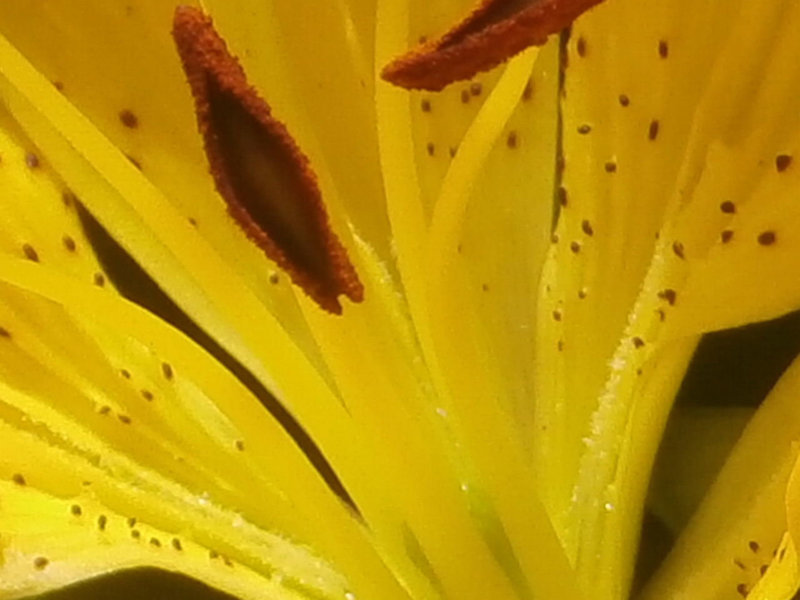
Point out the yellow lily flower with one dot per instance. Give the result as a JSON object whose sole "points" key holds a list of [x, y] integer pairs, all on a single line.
{"points": [[369, 356]]}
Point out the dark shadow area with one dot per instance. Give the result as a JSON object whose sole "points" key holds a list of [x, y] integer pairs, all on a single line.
{"points": [[735, 367], [740, 366], [138, 584], [136, 285], [657, 539]]}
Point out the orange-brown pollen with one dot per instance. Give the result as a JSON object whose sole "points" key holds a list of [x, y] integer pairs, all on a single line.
{"points": [[259, 170], [492, 33]]}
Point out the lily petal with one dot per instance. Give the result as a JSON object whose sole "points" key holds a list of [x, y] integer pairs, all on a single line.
{"points": [[624, 132], [782, 578], [728, 543], [157, 130], [737, 227], [41, 221], [185, 442]]}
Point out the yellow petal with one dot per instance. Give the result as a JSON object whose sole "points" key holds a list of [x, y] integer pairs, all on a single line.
{"points": [[782, 578], [704, 434], [151, 123], [736, 210], [185, 266], [192, 422], [40, 220], [308, 58], [731, 537], [616, 185], [634, 151], [49, 542]]}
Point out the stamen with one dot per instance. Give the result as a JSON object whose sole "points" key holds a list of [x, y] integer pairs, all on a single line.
{"points": [[261, 173], [491, 34]]}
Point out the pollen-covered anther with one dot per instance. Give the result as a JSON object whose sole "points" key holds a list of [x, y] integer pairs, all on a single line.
{"points": [[265, 179], [492, 33]]}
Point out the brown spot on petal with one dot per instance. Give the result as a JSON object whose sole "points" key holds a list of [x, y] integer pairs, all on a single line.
{"points": [[266, 180], [492, 33], [677, 248], [580, 46], [527, 93], [68, 198], [669, 295], [782, 162], [32, 160], [69, 243], [30, 252], [134, 162], [40, 562], [128, 118], [652, 130], [766, 238], [562, 196], [166, 370]]}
